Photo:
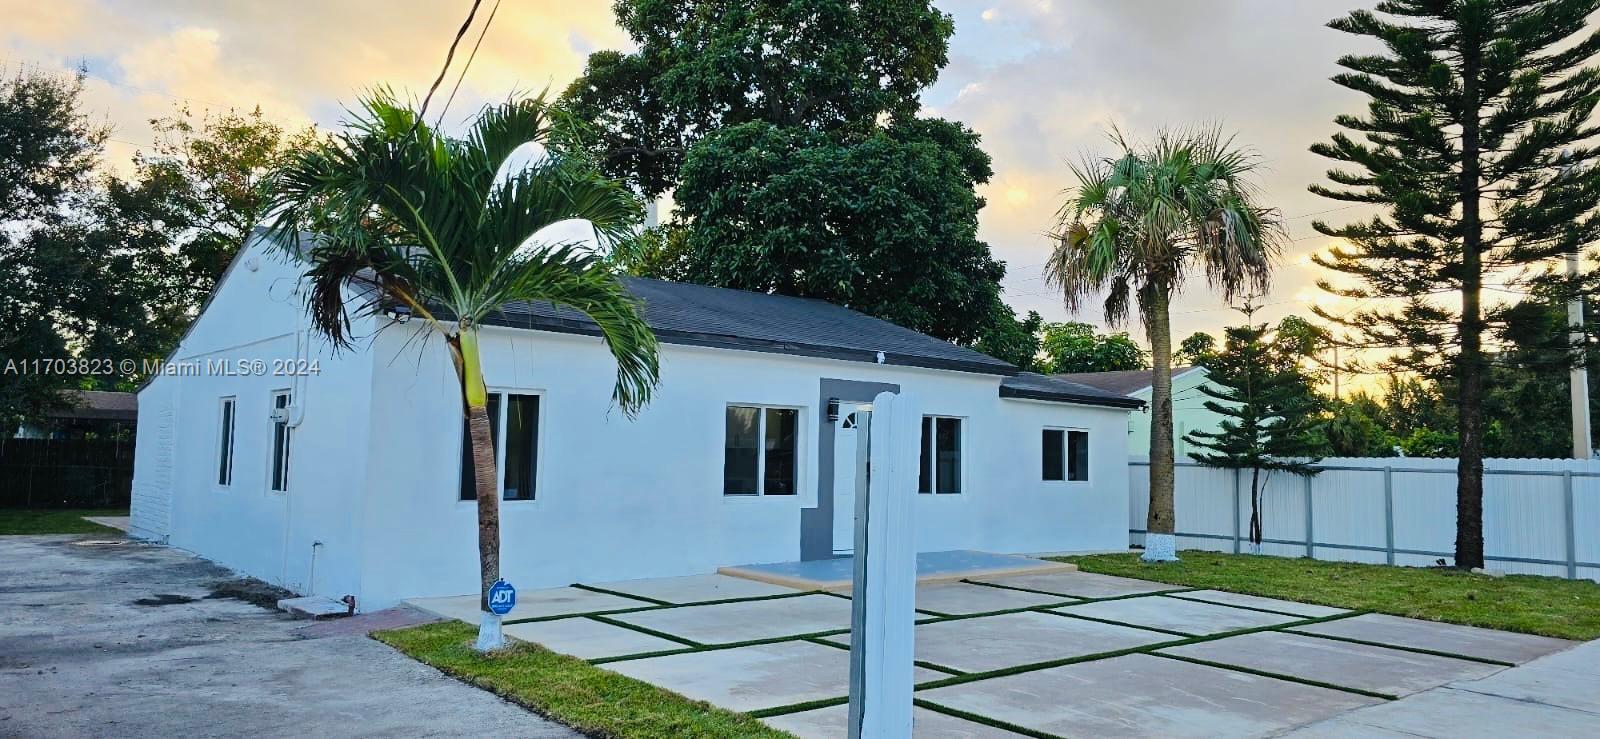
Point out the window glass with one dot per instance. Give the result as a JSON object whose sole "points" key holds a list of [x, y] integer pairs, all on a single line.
{"points": [[280, 443], [741, 465], [225, 453], [947, 441], [925, 474], [1078, 456], [780, 451], [522, 440], [1054, 447], [469, 483]]}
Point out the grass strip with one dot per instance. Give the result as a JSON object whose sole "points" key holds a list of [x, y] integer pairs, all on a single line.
{"points": [[1079, 598], [568, 690], [1065, 613], [653, 607], [1274, 675], [798, 707], [982, 719], [717, 647], [36, 521], [645, 630], [1181, 596], [620, 594], [1416, 650], [1548, 606]]}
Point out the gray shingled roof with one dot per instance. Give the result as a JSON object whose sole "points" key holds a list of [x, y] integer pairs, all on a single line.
{"points": [[1122, 382], [684, 313], [1034, 386]]}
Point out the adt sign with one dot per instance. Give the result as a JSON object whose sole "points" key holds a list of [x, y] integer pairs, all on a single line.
{"points": [[502, 598]]}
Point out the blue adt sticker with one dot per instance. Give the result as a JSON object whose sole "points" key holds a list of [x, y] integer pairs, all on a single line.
{"points": [[502, 598]]}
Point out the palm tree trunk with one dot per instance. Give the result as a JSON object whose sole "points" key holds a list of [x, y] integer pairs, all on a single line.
{"points": [[485, 480], [1159, 543]]}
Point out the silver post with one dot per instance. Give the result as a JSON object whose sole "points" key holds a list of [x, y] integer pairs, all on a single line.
{"points": [[1388, 513], [1572, 540], [1310, 549]]}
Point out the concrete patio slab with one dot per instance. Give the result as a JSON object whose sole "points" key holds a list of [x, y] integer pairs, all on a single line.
{"points": [[1142, 695], [1503, 646], [1457, 714], [836, 573], [831, 723], [588, 639], [1307, 610], [753, 677], [726, 623], [695, 588], [1173, 614], [120, 523], [530, 604], [960, 598], [1080, 584], [1013, 639], [1569, 679], [1378, 669]]}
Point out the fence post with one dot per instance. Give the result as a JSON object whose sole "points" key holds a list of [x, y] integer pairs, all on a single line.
{"points": [[1310, 549], [1388, 513], [1236, 510], [1572, 539]]}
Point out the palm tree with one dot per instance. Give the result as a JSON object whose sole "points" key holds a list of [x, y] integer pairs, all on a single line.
{"points": [[1132, 230], [408, 219]]}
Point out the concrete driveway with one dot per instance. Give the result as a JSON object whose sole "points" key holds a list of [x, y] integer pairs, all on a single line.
{"points": [[1062, 654], [120, 639]]}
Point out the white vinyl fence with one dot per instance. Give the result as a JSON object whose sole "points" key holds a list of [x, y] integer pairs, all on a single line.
{"points": [[1540, 516]]}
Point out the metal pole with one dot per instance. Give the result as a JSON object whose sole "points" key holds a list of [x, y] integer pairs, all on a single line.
{"points": [[1388, 513], [1572, 539], [1236, 510], [1310, 550], [1578, 377]]}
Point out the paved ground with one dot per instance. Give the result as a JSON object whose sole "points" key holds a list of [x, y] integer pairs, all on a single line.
{"points": [[1075, 654], [80, 657]]}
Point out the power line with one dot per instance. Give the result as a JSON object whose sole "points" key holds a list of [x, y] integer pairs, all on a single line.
{"points": [[470, 57], [449, 55]]}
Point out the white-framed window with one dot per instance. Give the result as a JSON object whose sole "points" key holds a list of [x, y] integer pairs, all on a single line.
{"points": [[1065, 454], [514, 430], [282, 435], [761, 449], [225, 425], [941, 455]]}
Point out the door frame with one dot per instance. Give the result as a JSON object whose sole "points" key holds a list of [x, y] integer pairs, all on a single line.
{"points": [[816, 524]]}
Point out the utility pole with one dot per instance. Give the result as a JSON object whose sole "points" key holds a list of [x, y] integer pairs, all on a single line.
{"points": [[1578, 378]]}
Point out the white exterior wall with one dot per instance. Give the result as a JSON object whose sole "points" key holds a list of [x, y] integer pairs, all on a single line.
{"points": [[256, 315], [620, 499], [1189, 413]]}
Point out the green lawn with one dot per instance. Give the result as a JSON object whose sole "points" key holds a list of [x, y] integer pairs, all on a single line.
{"points": [[1537, 605], [569, 690], [54, 521]]}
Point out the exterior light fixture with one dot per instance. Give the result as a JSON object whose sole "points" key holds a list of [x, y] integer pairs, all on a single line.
{"points": [[400, 313], [833, 409]]}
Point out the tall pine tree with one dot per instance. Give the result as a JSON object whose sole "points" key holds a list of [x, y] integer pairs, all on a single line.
{"points": [[1271, 415], [1476, 147]]}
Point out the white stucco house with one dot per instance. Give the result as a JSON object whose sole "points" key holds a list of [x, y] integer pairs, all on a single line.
{"points": [[340, 473], [1189, 412]]}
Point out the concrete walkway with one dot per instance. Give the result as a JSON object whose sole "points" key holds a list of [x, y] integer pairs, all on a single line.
{"points": [[1557, 695], [103, 638]]}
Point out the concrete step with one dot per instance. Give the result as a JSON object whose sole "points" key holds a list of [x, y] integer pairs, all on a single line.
{"points": [[314, 607]]}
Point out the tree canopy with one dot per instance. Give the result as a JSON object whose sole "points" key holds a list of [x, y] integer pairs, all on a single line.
{"points": [[1077, 347]]}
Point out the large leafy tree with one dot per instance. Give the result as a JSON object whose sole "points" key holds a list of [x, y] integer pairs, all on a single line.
{"points": [[48, 151], [1476, 145], [1134, 229], [886, 224], [1077, 347], [441, 227], [705, 65], [789, 135], [1271, 414]]}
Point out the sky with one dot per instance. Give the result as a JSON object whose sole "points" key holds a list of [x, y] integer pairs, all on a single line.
{"points": [[1041, 81]]}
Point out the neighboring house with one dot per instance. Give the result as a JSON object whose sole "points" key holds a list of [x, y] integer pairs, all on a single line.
{"points": [[1189, 411], [341, 473], [93, 413]]}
